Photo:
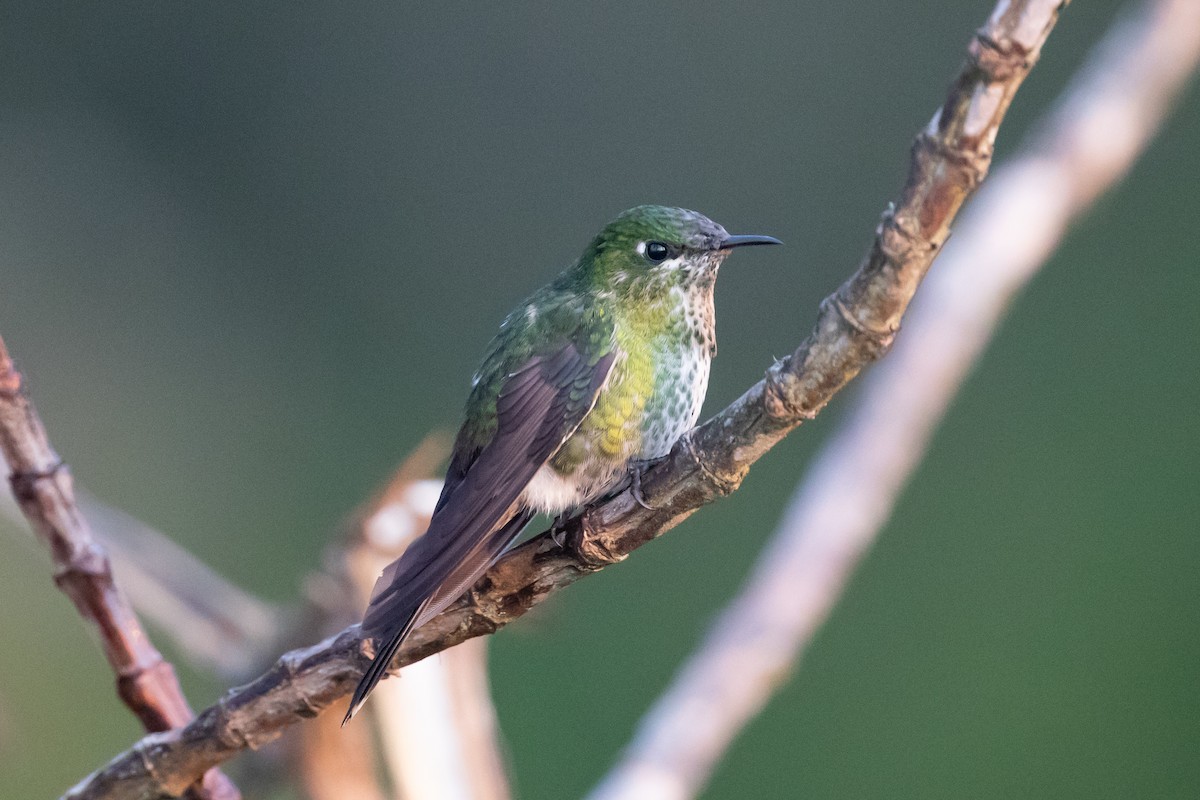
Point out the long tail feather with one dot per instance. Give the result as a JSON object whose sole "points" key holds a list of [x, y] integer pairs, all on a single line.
{"points": [[379, 667], [396, 610]]}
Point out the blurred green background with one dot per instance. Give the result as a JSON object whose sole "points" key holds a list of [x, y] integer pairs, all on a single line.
{"points": [[250, 255]]}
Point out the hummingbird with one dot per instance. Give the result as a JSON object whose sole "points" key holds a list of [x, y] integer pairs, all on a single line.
{"points": [[598, 372]]}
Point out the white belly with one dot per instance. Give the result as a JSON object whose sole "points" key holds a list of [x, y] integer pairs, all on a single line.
{"points": [[549, 492]]}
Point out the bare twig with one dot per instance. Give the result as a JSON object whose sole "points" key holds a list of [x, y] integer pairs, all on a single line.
{"points": [[1099, 126], [216, 625], [42, 486], [855, 326]]}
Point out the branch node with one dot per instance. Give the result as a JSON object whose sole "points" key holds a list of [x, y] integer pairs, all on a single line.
{"points": [[721, 484], [308, 709], [144, 751], [10, 379], [876, 340], [881, 338], [483, 607], [88, 561], [998, 61], [899, 239], [971, 158], [591, 550], [780, 386], [24, 482], [231, 734]]}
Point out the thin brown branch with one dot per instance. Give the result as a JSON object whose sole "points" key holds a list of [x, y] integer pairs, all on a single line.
{"points": [[856, 326], [1099, 126], [43, 488]]}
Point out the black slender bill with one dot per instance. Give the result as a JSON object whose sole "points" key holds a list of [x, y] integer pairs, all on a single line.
{"points": [[746, 239]]}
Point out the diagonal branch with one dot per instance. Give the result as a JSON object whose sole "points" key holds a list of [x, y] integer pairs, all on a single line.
{"points": [[216, 625], [43, 488], [855, 326], [1100, 125]]}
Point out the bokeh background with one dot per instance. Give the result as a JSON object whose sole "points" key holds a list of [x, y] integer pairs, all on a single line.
{"points": [[249, 256]]}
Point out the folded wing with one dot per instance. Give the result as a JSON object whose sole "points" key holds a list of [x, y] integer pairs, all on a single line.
{"points": [[540, 404]]}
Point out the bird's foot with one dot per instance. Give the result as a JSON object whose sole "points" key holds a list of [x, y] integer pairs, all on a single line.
{"points": [[558, 528], [636, 470]]}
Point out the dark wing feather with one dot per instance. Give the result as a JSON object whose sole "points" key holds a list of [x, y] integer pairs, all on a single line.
{"points": [[478, 514], [383, 658]]}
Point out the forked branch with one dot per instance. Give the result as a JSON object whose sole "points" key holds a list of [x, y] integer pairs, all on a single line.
{"points": [[855, 327]]}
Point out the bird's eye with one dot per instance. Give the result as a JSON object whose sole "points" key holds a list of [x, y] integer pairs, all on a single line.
{"points": [[657, 252]]}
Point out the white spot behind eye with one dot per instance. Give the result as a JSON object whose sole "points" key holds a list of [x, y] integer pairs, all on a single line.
{"points": [[641, 248]]}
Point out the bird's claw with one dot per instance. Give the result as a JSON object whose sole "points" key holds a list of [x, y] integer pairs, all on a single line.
{"points": [[635, 484], [558, 529]]}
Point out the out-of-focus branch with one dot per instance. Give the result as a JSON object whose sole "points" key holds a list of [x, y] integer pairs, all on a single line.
{"points": [[42, 486], [855, 326], [216, 625], [477, 727], [437, 726], [1099, 126], [219, 626], [331, 762], [439, 731]]}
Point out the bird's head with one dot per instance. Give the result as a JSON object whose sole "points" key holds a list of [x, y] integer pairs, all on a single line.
{"points": [[650, 249]]}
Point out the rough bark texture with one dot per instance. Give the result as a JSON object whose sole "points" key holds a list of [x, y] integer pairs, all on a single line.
{"points": [[43, 488], [855, 326]]}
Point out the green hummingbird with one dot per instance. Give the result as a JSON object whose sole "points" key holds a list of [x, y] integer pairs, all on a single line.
{"points": [[599, 371]]}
